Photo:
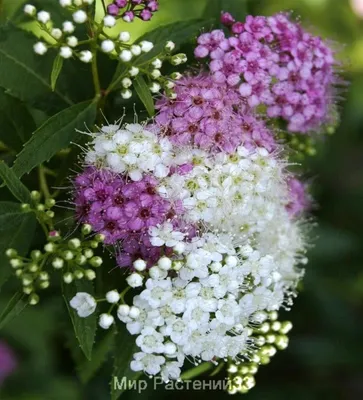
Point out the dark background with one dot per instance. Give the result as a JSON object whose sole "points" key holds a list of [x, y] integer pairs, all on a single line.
{"points": [[325, 356]]}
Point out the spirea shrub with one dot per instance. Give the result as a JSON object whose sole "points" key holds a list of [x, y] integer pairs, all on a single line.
{"points": [[190, 221]]}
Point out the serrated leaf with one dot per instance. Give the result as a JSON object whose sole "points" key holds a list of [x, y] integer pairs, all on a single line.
{"points": [[10, 214], [14, 307], [84, 328], [56, 70], [16, 122], [18, 236], [87, 369], [144, 94], [178, 32], [54, 135], [238, 8], [24, 74], [13, 183], [125, 347]]}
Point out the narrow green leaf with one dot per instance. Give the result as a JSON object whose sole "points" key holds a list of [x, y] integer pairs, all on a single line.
{"points": [[54, 135], [10, 215], [125, 347], [19, 236], [87, 369], [144, 94], [24, 74], [178, 32], [84, 328], [14, 307], [238, 8], [13, 183], [57, 68]]}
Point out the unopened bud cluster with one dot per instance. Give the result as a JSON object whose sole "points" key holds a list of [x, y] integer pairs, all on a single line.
{"points": [[74, 257], [269, 337]]}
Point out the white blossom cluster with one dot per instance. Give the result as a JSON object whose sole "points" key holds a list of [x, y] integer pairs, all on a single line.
{"points": [[200, 302]]}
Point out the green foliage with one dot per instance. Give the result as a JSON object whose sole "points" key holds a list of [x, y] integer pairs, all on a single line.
{"points": [[15, 306], [13, 183], [144, 94], [54, 135], [56, 70], [238, 8]]}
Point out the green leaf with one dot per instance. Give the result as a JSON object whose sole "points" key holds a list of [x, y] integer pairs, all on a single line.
{"points": [[14, 307], [57, 68], [18, 235], [13, 183], [10, 213], [54, 135], [144, 94], [84, 328], [87, 369], [24, 74], [16, 122], [178, 32], [238, 8], [125, 347]]}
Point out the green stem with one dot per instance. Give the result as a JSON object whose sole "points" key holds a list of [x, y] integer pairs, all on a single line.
{"points": [[96, 78], [43, 182], [196, 371]]}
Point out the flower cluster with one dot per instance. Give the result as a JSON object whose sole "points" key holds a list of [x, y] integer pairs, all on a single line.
{"points": [[129, 9], [272, 61], [211, 116], [8, 361]]}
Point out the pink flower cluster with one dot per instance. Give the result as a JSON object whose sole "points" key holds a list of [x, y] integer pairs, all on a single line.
{"points": [[299, 199], [7, 361], [123, 211], [142, 9], [211, 116], [274, 62]]}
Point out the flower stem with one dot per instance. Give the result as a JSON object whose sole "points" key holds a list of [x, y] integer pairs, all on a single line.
{"points": [[96, 78], [196, 371], [43, 182]]}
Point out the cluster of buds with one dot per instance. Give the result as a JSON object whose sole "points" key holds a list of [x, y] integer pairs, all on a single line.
{"points": [[128, 10], [269, 337], [74, 257]]}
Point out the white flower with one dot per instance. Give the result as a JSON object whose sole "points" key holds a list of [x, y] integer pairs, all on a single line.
{"points": [[125, 55], [157, 292], [113, 296], [68, 27], [170, 46], [79, 17], [124, 36], [165, 235], [109, 21], [85, 56], [150, 341], [72, 41], [135, 50], [56, 33], [126, 82], [43, 17], [178, 331], [29, 9], [134, 312], [107, 46], [155, 74], [84, 304], [156, 273], [40, 48], [157, 63], [106, 320], [154, 87], [148, 363], [139, 265], [134, 280], [164, 263], [134, 71], [65, 3], [123, 311], [65, 52], [146, 46]]}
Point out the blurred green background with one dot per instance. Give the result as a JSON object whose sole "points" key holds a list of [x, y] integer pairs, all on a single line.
{"points": [[325, 356]]}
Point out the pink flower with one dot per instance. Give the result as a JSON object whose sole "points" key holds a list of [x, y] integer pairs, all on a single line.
{"points": [[8, 361]]}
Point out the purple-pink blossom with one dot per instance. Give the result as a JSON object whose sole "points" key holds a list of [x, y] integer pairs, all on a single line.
{"points": [[299, 199], [131, 9], [8, 361], [211, 116], [273, 61]]}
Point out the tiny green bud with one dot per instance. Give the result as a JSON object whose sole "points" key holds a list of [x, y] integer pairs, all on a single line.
{"points": [[53, 235], [276, 326], [33, 267], [94, 244], [68, 255], [286, 327], [96, 261], [50, 247], [25, 207], [57, 263], [178, 59], [49, 203], [27, 280], [100, 237], [81, 259], [33, 299], [67, 277], [50, 214], [35, 195], [19, 273], [270, 338], [176, 76], [78, 274], [281, 342], [28, 289], [86, 229], [74, 244], [88, 253], [44, 284], [36, 255], [11, 253], [90, 274], [273, 315], [44, 276], [16, 263], [170, 46], [40, 207]]}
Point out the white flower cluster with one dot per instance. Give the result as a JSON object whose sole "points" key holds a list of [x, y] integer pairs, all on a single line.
{"points": [[132, 150]]}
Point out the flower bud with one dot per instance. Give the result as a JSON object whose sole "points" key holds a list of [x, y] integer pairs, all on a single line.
{"points": [[176, 76], [88, 253], [44, 285], [134, 280], [155, 74], [28, 289], [134, 312], [79, 17], [65, 51], [96, 261], [57, 263], [16, 263], [29, 9], [25, 207], [125, 55], [123, 311], [126, 82], [134, 71], [106, 320], [68, 277], [170, 46], [11, 253], [35, 195], [146, 46], [33, 299], [50, 248], [139, 265], [74, 244], [86, 229], [56, 33], [109, 21], [33, 267], [85, 56], [78, 274], [164, 263], [107, 46], [135, 50], [68, 255], [124, 36], [113, 296], [90, 274], [68, 27], [49, 203], [43, 17], [126, 94], [100, 237], [157, 63]]}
